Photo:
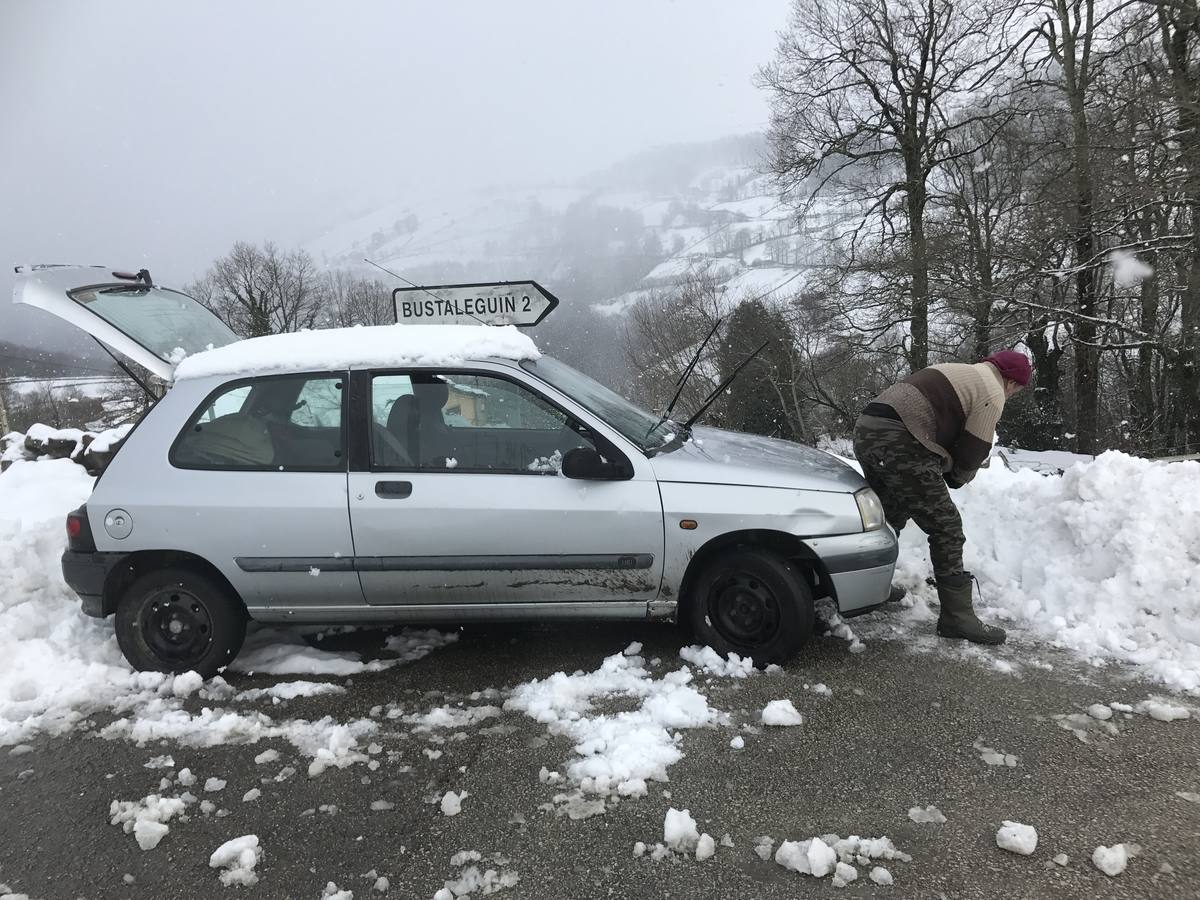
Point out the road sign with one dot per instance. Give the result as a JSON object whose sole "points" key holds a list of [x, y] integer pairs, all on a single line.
{"points": [[521, 303]]}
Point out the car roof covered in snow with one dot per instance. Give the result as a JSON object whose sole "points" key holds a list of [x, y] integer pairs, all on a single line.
{"points": [[360, 347]]}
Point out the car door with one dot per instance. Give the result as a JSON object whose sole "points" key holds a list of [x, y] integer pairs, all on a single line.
{"points": [[458, 498], [257, 485]]}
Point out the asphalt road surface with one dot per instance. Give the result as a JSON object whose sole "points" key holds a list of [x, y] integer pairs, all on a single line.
{"points": [[897, 731]]}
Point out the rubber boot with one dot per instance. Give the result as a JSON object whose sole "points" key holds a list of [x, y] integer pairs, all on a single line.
{"points": [[957, 618]]}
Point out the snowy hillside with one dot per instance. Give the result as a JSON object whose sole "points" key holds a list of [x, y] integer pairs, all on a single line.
{"points": [[605, 242]]}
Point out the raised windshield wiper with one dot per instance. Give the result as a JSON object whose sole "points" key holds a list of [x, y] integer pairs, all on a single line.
{"points": [[720, 388], [679, 384]]}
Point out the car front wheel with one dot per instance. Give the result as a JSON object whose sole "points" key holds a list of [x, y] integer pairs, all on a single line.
{"points": [[754, 603], [176, 620]]}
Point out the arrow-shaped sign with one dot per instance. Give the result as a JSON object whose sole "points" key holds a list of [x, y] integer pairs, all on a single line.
{"points": [[521, 303]]}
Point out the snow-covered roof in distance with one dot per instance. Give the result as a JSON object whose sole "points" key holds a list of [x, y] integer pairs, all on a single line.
{"points": [[361, 347]]}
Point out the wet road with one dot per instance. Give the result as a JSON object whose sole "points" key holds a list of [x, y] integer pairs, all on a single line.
{"points": [[897, 731]]}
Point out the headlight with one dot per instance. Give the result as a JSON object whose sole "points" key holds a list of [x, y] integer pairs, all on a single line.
{"points": [[870, 509]]}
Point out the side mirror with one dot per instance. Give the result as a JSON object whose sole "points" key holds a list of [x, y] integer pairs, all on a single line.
{"points": [[586, 463]]}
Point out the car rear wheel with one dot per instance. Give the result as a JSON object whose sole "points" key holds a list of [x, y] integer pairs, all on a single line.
{"points": [[176, 620], [754, 603]]}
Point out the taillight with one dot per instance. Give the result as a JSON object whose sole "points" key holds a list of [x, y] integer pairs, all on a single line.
{"points": [[79, 531]]}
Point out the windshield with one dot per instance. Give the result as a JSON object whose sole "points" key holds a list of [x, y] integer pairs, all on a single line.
{"points": [[169, 324], [642, 427]]}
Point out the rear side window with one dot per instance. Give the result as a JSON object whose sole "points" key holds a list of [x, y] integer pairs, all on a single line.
{"points": [[283, 423]]}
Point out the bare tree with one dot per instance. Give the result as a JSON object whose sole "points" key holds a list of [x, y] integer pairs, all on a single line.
{"points": [[262, 291], [863, 96]]}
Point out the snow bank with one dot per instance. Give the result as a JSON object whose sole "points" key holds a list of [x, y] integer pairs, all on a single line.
{"points": [[58, 666], [1104, 560], [377, 345]]}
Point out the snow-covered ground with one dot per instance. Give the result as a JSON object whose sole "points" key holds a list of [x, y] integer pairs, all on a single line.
{"points": [[1103, 561]]}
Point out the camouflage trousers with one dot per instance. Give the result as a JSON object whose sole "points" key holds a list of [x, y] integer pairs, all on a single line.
{"points": [[908, 479]]}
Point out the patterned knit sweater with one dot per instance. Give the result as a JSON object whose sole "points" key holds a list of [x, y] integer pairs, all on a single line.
{"points": [[952, 409]]}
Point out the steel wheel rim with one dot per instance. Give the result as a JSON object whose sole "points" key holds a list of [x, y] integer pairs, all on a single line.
{"points": [[743, 609], [176, 625]]}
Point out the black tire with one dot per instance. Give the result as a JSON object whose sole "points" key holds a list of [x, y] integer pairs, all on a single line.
{"points": [[754, 603], [176, 620]]}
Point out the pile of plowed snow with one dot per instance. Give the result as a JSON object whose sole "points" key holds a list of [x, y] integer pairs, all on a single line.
{"points": [[58, 666], [1103, 560]]}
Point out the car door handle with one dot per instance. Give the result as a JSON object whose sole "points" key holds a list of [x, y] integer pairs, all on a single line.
{"points": [[393, 490]]}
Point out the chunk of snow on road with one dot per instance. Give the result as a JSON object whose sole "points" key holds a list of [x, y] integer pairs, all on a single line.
{"points": [[381, 884], [237, 857], [812, 857], [452, 803], [781, 713], [633, 649], [837, 626], [617, 753], [706, 847], [267, 756], [290, 690], [712, 662], [1190, 796], [763, 845], [994, 757], [212, 785], [929, 815], [251, 795], [1061, 859], [1162, 711], [185, 777], [880, 875], [186, 684], [160, 762], [452, 717], [474, 880], [843, 874], [333, 892], [1100, 711], [1017, 838], [383, 805], [148, 833], [738, 742], [1112, 860], [679, 830]]}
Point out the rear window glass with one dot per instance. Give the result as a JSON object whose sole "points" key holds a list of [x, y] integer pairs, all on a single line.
{"points": [[280, 423], [168, 323]]}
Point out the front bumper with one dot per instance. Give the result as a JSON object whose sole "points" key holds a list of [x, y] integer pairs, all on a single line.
{"points": [[859, 565], [86, 574]]}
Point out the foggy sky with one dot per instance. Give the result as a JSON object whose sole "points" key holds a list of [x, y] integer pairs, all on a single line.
{"points": [[158, 133]]}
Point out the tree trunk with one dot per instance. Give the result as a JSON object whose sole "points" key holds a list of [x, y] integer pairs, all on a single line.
{"points": [[918, 355]]}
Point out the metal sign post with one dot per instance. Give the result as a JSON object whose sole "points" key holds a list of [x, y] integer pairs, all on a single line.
{"points": [[520, 303]]}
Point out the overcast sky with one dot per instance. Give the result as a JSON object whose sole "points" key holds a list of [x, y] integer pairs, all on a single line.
{"points": [[158, 133]]}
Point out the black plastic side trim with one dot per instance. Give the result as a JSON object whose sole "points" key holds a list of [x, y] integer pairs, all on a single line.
{"points": [[861, 559], [625, 561]]}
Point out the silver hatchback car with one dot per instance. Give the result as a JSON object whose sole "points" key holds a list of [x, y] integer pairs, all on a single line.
{"points": [[433, 473]]}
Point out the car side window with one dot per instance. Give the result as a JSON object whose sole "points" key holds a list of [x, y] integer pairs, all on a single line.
{"points": [[275, 423], [468, 422]]}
